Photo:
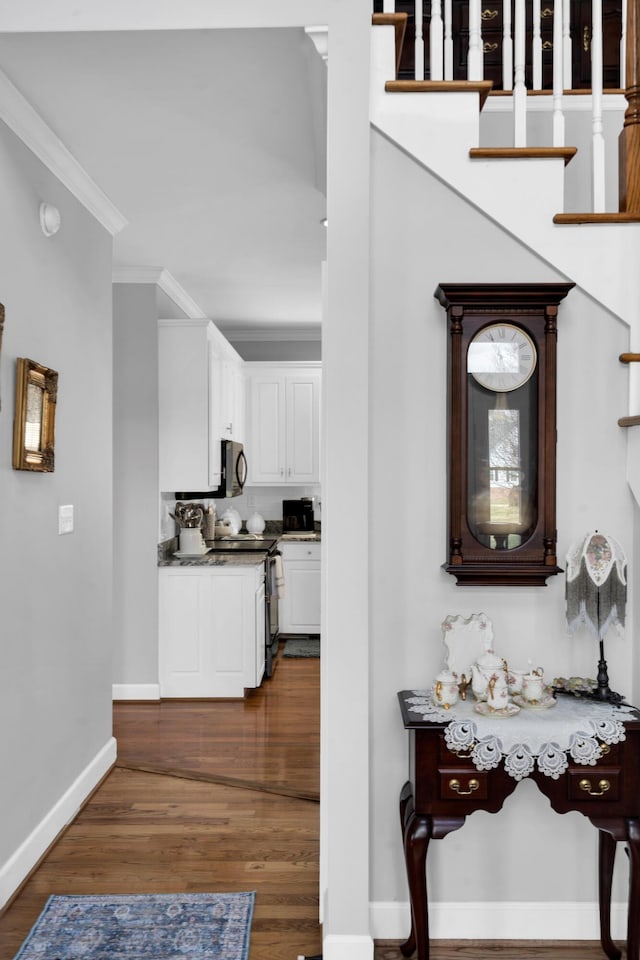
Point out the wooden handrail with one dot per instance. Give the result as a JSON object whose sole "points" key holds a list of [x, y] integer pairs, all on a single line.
{"points": [[629, 358]]}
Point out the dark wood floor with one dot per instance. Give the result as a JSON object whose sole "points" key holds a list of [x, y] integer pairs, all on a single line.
{"points": [[220, 796]]}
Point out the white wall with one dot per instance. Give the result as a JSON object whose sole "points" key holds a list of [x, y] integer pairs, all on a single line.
{"points": [[135, 470], [496, 130], [422, 235], [55, 591]]}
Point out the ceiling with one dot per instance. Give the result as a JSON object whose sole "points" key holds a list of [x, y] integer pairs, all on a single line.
{"points": [[211, 144]]}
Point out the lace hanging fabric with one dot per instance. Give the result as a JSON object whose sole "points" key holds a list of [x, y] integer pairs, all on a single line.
{"points": [[596, 584]]}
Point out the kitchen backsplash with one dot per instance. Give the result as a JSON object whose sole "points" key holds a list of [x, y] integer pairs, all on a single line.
{"points": [[267, 501]]}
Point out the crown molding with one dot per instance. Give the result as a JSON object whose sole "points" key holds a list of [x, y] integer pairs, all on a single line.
{"points": [[275, 333], [28, 125], [166, 282]]}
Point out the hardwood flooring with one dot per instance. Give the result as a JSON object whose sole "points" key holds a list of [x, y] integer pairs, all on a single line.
{"points": [[220, 796]]}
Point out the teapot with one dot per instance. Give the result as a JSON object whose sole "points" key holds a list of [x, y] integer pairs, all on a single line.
{"points": [[485, 667]]}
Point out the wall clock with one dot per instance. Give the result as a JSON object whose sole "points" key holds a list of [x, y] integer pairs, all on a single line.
{"points": [[502, 431]]}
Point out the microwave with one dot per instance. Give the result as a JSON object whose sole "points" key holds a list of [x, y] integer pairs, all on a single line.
{"points": [[233, 470]]}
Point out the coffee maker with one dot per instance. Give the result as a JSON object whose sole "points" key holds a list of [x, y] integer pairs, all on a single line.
{"points": [[297, 515]]}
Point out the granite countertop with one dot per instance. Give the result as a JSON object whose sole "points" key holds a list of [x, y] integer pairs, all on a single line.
{"points": [[167, 557]]}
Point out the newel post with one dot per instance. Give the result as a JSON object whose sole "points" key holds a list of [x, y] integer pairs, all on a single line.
{"points": [[629, 143]]}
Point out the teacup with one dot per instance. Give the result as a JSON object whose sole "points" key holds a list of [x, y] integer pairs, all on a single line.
{"points": [[515, 679], [446, 690], [533, 686]]}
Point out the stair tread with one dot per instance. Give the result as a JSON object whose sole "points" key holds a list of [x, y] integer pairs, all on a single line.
{"points": [[596, 218], [483, 87], [523, 153]]}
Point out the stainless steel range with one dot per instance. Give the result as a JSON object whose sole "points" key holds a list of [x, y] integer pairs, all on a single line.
{"points": [[247, 543]]}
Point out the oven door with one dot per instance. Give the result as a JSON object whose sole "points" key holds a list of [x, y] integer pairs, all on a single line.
{"points": [[272, 628]]}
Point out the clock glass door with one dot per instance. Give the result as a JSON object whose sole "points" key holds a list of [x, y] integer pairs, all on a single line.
{"points": [[502, 464]]}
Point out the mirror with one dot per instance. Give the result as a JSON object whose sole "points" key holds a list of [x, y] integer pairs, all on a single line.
{"points": [[33, 427]]}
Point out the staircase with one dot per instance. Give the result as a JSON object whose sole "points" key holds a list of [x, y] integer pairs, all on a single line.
{"points": [[521, 189]]}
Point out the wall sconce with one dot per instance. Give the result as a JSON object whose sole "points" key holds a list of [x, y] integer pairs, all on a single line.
{"points": [[49, 219]]}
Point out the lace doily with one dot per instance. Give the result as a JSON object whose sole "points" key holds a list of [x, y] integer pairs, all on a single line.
{"points": [[545, 739]]}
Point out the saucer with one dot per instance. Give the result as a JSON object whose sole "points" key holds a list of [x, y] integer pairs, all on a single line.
{"points": [[192, 556], [509, 711], [544, 704]]}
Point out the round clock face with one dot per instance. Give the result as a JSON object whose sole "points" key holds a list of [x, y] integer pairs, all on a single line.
{"points": [[501, 357]]}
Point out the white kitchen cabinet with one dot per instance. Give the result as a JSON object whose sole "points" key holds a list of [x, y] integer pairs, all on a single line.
{"points": [[211, 630], [283, 429], [299, 609], [200, 403]]}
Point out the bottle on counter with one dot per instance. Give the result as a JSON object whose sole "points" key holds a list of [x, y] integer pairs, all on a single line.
{"points": [[209, 523]]}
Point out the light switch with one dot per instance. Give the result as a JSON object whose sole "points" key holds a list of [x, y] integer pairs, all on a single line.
{"points": [[65, 519]]}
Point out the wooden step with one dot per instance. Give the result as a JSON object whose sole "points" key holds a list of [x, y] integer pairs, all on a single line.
{"points": [[482, 87], [523, 153], [596, 218], [397, 20]]}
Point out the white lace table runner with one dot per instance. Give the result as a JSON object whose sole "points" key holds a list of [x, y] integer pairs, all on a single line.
{"points": [[544, 738]]}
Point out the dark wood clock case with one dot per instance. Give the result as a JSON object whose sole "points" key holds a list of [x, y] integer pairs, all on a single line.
{"points": [[534, 308]]}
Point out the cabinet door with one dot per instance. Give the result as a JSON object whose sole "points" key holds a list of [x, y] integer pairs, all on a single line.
{"points": [[207, 631], [303, 428], [299, 609], [266, 449], [216, 411]]}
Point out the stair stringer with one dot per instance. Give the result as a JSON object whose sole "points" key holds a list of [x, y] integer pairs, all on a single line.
{"points": [[439, 128], [522, 195]]}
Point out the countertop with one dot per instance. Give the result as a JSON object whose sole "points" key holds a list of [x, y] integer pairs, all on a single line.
{"points": [[167, 557]]}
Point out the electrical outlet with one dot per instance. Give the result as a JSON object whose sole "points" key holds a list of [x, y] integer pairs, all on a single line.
{"points": [[65, 519]]}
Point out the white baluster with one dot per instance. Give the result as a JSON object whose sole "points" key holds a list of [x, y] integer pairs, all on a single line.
{"points": [[389, 6], [566, 45], [507, 47], [419, 42], [519, 88], [475, 62], [448, 41], [623, 47], [598, 192], [537, 47], [558, 113], [435, 40]]}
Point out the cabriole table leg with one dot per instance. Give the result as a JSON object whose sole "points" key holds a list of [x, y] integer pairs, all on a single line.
{"points": [[606, 857], [416, 833], [633, 925]]}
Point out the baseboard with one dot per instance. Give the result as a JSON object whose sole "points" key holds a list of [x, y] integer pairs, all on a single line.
{"points": [[135, 691], [336, 947], [500, 921], [17, 868]]}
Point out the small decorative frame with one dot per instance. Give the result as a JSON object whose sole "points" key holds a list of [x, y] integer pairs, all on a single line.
{"points": [[34, 424]]}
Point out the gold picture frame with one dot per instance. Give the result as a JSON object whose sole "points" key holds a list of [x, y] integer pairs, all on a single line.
{"points": [[34, 424]]}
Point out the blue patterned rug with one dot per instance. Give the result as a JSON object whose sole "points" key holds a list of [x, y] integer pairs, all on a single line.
{"points": [[196, 926]]}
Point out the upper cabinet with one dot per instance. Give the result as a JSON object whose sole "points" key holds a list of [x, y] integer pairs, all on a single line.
{"points": [[283, 423], [200, 400]]}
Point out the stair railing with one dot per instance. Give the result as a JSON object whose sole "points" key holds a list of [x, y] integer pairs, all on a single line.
{"points": [[522, 60]]}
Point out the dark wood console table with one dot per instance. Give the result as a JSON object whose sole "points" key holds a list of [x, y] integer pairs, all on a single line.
{"points": [[445, 788]]}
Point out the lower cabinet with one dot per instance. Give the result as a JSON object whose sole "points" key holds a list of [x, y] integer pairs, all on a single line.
{"points": [[299, 609], [211, 630]]}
